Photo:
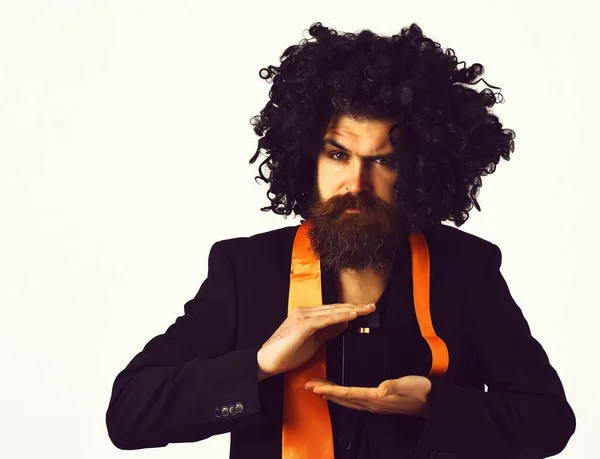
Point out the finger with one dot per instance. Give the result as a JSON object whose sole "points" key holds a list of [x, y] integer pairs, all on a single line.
{"points": [[406, 386], [355, 393], [317, 382], [384, 389], [391, 387], [325, 320], [341, 305], [395, 405], [319, 311]]}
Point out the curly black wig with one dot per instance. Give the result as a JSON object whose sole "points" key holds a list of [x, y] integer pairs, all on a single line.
{"points": [[452, 137]]}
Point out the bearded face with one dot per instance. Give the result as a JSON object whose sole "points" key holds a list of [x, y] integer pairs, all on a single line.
{"points": [[356, 232], [356, 224]]}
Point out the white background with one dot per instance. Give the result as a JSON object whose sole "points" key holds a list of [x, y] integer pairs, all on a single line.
{"points": [[124, 148]]}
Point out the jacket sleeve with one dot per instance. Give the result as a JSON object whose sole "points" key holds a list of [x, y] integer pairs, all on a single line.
{"points": [[524, 414], [190, 382]]}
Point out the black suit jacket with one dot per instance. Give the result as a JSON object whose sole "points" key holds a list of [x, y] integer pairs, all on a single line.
{"points": [[199, 378]]}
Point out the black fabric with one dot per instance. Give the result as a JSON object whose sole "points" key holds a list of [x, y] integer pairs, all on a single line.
{"points": [[205, 363], [371, 435]]}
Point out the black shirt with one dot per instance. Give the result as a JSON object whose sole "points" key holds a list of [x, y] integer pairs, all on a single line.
{"points": [[357, 434]]}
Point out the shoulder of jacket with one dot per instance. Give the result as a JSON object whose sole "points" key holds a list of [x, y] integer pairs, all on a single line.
{"points": [[267, 239], [462, 245], [452, 234]]}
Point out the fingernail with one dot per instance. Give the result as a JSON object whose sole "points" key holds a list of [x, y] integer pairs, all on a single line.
{"points": [[368, 305]]}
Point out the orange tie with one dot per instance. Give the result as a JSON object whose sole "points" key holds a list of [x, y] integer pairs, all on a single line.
{"points": [[306, 429]]}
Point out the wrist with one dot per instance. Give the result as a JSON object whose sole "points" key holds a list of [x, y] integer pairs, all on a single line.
{"points": [[262, 374]]}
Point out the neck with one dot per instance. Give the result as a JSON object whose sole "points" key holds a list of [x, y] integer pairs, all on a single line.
{"points": [[362, 287]]}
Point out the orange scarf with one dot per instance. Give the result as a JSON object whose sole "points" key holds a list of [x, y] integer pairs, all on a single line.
{"points": [[306, 430]]}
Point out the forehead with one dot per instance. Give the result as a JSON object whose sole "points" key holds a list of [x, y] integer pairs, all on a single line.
{"points": [[360, 130], [363, 137]]}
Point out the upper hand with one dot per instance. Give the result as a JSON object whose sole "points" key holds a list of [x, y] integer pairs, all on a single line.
{"points": [[302, 333], [406, 395]]}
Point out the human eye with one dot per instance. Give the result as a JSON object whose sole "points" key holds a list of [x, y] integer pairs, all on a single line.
{"points": [[391, 165], [386, 162], [333, 154]]}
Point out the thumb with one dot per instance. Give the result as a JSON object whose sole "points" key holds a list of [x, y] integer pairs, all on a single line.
{"points": [[388, 387]]}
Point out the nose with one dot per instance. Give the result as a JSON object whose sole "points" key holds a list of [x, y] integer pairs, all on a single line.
{"points": [[357, 178]]}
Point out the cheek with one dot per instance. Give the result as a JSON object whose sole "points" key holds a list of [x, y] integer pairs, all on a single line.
{"points": [[391, 183], [384, 187], [328, 181]]}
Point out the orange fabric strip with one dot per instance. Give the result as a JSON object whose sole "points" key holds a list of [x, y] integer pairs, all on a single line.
{"points": [[421, 278], [306, 430]]}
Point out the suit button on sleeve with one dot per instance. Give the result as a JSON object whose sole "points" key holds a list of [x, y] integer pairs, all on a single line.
{"points": [[344, 443], [217, 412], [224, 411], [239, 407]]}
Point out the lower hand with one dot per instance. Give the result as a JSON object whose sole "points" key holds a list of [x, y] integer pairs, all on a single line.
{"points": [[406, 395]]}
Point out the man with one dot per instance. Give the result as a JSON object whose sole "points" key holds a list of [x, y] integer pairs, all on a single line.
{"points": [[373, 141]]}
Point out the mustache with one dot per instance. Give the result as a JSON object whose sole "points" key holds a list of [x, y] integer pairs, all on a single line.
{"points": [[364, 202]]}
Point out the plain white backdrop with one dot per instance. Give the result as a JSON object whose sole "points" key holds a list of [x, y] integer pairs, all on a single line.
{"points": [[124, 149]]}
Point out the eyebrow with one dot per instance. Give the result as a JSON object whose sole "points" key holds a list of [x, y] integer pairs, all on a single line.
{"points": [[341, 147]]}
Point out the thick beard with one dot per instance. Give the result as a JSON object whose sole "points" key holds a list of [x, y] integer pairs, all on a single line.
{"points": [[356, 241]]}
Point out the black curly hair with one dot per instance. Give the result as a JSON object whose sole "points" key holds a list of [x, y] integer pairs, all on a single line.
{"points": [[451, 138]]}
